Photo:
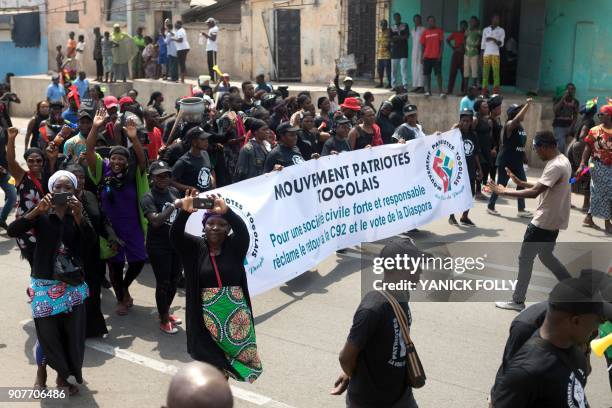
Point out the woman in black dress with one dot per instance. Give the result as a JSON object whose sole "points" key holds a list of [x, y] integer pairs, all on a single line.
{"points": [[64, 238], [94, 264], [214, 265]]}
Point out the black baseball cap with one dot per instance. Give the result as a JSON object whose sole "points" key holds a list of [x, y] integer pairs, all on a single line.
{"points": [[409, 109], [285, 127], [513, 109], [495, 101], [159, 167], [579, 296], [466, 112], [85, 114], [196, 133], [342, 120], [56, 104]]}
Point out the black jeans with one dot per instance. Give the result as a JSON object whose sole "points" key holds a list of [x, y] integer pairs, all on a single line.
{"points": [[502, 178], [99, 68], [384, 65], [540, 242], [167, 269], [211, 56]]}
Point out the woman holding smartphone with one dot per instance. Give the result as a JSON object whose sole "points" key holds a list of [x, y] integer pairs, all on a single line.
{"points": [[158, 207], [220, 326], [57, 289]]}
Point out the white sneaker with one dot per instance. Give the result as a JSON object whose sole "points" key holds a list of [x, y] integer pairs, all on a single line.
{"points": [[427, 93], [492, 212], [442, 95], [519, 307], [525, 214]]}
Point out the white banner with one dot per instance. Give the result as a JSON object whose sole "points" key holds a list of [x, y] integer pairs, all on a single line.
{"points": [[299, 216]]}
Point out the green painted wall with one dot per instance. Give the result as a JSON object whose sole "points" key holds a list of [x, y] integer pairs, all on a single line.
{"points": [[578, 47], [577, 43], [408, 8]]}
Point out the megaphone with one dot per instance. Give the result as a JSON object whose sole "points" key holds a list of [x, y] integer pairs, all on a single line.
{"points": [[218, 70], [599, 346]]}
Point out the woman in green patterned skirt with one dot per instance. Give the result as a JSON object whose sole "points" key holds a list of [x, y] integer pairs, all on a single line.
{"points": [[220, 327]]}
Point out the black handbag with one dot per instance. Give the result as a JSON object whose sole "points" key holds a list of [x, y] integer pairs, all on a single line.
{"points": [[66, 268]]}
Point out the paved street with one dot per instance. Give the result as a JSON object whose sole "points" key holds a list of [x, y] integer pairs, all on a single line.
{"points": [[300, 327]]}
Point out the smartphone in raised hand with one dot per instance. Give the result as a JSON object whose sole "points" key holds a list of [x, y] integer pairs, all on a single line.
{"points": [[203, 203]]}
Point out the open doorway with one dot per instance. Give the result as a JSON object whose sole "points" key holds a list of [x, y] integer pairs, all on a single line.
{"points": [[509, 12]]}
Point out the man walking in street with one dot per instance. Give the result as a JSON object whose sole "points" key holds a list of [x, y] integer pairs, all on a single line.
{"points": [[492, 40], [566, 114], [383, 53], [211, 46], [550, 369], [373, 359], [432, 42], [417, 55], [399, 53], [552, 214]]}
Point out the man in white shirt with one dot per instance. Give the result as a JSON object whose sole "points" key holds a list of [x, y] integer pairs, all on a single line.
{"points": [[172, 59], [211, 46], [418, 82], [492, 40], [182, 47]]}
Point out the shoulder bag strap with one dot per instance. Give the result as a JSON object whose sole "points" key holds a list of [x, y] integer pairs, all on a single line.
{"points": [[401, 316], [214, 263]]}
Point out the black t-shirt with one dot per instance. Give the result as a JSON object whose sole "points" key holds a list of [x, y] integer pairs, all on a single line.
{"points": [[399, 47], [521, 329], [308, 143], [471, 146], [335, 144], [538, 377], [173, 153], [194, 171], [512, 150], [284, 156], [3, 142], [156, 201], [380, 377], [485, 139]]}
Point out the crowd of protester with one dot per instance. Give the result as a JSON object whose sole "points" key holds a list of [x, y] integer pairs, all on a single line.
{"points": [[110, 182]]}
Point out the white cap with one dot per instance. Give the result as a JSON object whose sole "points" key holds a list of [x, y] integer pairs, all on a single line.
{"points": [[347, 79], [211, 20]]}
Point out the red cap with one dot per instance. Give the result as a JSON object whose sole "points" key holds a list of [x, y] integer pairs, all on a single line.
{"points": [[606, 110], [351, 103], [124, 100], [110, 102]]}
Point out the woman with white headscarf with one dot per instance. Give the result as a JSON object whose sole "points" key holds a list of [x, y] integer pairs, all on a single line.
{"points": [[58, 290]]}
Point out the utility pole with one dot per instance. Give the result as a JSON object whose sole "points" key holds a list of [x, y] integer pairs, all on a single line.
{"points": [[131, 17]]}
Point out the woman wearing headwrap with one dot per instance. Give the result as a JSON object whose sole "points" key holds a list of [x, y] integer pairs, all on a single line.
{"points": [[220, 326], [95, 262], [599, 148], [576, 148], [122, 182], [58, 291], [123, 50]]}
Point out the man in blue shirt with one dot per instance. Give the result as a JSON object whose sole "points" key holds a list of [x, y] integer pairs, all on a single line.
{"points": [[71, 114], [467, 102], [82, 85], [55, 92]]}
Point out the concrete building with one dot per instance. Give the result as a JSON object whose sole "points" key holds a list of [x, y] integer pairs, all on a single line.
{"points": [[23, 43], [558, 41], [82, 17], [294, 40]]}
